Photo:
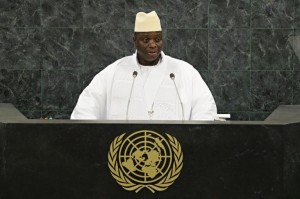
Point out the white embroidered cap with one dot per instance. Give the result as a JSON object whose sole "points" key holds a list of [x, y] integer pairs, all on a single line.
{"points": [[147, 22]]}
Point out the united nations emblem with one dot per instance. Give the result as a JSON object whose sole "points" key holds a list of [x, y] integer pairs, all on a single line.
{"points": [[145, 159]]}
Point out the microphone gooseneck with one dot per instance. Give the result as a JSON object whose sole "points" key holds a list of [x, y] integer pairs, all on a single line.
{"points": [[172, 76], [134, 75]]}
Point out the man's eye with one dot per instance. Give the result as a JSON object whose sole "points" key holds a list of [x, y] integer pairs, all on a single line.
{"points": [[146, 39], [157, 40]]}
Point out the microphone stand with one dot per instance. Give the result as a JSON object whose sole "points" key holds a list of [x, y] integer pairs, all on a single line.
{"points": [[172, 76], [134, 74]]}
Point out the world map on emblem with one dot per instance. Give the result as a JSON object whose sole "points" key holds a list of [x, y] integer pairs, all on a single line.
{"points": [[145, 156]]}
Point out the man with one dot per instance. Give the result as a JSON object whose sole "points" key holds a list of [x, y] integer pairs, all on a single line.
{"points": [[147, 85]]}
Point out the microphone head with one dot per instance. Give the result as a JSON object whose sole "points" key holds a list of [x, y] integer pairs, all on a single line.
{"points": [[134, 74], [172, 76]]}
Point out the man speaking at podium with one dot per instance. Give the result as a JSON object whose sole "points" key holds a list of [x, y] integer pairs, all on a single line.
{"points": [[147, 85]]}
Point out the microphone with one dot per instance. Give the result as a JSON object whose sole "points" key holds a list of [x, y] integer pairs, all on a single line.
{"points": [[172, 76], [134, 74]]}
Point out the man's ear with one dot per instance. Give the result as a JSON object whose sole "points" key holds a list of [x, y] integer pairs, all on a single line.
{"points": [[133, 40]]}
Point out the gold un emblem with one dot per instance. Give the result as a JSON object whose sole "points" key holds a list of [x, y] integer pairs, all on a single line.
{"points": [[145, 159]]}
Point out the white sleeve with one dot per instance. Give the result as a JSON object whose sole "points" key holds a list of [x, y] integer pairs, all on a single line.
{"points": [[91, 104], [203, 103]]}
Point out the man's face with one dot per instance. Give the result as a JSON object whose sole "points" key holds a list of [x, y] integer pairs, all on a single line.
{"points": [[148, 46]]}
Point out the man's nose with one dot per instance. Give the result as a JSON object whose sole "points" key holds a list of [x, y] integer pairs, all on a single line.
{"points": [[152, 43]]}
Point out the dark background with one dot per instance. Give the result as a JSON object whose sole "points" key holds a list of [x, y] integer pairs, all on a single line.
{"points": [[51, 49]]}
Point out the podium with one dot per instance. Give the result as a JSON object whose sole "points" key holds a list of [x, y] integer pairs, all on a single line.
{"points": [[221, 160]]}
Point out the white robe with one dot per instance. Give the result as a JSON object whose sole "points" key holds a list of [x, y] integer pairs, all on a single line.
{"points": [[107, 96]]}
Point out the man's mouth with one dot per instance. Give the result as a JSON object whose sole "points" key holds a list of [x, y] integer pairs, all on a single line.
{"points": [[152, 53]]}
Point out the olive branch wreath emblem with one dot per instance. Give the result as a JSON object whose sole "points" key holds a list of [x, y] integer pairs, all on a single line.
{"points": [[161, 185]]}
